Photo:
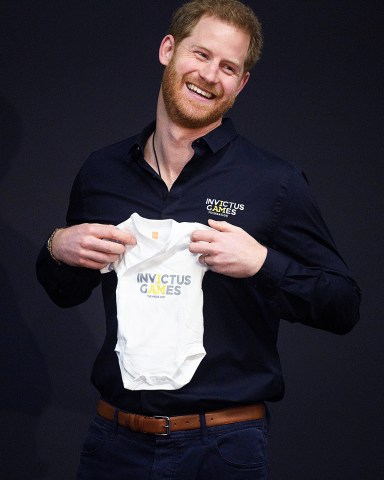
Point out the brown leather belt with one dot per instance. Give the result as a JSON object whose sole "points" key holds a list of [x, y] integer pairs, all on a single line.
{"points": [[162, 425]]}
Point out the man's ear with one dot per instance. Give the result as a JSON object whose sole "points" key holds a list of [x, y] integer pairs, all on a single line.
{"points": [[167, 47], [243, 82]]}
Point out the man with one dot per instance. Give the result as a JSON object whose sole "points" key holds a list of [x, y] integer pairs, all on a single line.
{"points": [[268, 256]]}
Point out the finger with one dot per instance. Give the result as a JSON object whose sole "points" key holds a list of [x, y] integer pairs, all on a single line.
{"points": [[202, 236], [109, 247], [91, 244], [222, 226], [124, 237], [203, 248], [96, 260], [203, 260], [110, 232], [94, 265]]}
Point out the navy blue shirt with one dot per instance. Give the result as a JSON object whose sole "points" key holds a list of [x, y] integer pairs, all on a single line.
{"points": [[303, 279]]}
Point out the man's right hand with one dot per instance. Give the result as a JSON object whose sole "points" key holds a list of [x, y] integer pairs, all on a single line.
{"points": [[90, 245]]}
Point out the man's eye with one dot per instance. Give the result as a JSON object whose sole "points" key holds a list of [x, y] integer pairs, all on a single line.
{"points": [[202, 54], [229, 68]]}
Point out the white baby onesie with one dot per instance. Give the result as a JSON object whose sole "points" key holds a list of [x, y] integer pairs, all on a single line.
{"points": [[159, 305]]}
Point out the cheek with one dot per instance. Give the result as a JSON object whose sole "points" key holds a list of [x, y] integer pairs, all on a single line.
{"points": [[190, 67], [238, 85], [230, 87], [184, 64]]}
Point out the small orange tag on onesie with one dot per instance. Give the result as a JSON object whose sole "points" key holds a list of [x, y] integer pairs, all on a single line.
{"points": [[155, 235]]}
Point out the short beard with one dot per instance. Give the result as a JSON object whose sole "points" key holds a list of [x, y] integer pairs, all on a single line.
{"points": [[177, 111]]}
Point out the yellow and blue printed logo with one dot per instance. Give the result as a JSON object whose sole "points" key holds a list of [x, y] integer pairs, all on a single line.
{"points": [[160, 285], [223, 208]]}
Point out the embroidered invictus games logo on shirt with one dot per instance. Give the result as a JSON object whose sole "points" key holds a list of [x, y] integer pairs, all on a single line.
{"points": [[160, 285], [223, 208]]}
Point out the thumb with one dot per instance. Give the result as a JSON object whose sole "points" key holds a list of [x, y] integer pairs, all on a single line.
{"points": [[221, 226]]}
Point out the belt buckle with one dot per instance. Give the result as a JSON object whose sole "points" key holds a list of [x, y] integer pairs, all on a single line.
{"points": [[167, 425]]}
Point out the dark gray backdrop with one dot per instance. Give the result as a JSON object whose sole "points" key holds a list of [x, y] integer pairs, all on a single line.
{"points": [[78, 75]]}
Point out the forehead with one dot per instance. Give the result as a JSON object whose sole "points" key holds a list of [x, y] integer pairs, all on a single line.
{"points": [[219, 37]]}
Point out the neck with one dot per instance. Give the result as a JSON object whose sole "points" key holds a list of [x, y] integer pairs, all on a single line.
{"points": [[167, 155], [169, 149]]}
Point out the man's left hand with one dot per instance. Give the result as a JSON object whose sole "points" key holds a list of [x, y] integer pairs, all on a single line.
{"points": [[228, 250]]}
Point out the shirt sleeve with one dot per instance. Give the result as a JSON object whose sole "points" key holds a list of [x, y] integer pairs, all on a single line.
{"points": [[67, 286], [304, 278]]}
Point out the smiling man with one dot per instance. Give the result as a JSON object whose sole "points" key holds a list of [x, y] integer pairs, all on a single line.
{"points": [[204, 73], [210, 67], [190, 357]]}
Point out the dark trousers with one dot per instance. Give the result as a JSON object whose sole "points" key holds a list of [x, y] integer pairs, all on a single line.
{"points": [[229, 452]]}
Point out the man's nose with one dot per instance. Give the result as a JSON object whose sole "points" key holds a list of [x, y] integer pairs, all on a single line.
{"points": [[209, 72]]}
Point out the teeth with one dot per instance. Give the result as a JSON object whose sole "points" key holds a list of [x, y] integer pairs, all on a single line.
{"points": [[199, 91]]}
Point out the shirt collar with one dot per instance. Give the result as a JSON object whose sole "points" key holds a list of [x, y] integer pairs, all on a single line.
{"points": [[220, 136], [215, 139]]}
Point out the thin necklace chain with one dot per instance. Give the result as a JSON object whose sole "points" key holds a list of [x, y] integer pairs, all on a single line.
{"points": [[154, 151]]}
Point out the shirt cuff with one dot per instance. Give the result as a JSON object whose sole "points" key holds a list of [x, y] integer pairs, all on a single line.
{"points": [[65, 285], [267, 279]]}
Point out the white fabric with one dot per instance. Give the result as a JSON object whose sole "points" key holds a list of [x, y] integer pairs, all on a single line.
{"points": [[159, 305]]}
